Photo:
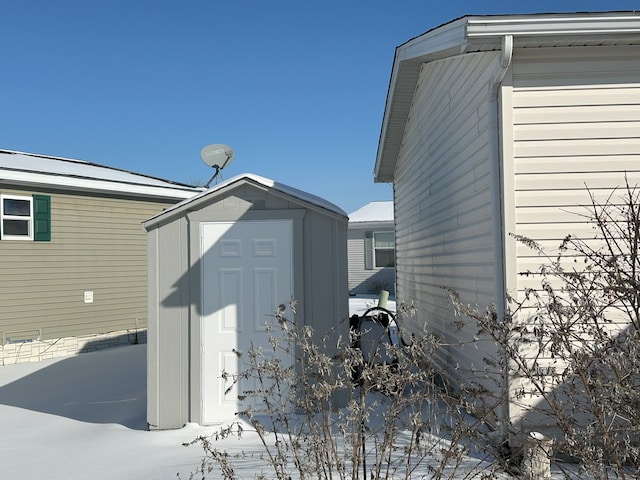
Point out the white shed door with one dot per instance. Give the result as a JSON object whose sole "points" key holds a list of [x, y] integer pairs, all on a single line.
{"points": [[247, 272]]}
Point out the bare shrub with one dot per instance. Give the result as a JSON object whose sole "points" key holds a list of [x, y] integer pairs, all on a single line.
{"points": [[571, 347], [569, 351], [346, 416]]}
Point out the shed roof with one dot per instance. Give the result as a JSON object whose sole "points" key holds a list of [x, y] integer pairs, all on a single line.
{"points": [[32, 169], [257, 180], [487, 33], [373, 212]]}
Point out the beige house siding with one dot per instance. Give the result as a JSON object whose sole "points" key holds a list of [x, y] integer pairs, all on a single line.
{"points": [[578, 126], [552, 106], [575, 122], [97, 245], [444, 197]]}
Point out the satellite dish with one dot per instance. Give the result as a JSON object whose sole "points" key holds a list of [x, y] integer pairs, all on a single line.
{"points": [[217, 156]]}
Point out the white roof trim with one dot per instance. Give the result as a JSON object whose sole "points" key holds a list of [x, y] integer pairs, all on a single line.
{"points": [[85, 184], [558, 24], [33, 170]]}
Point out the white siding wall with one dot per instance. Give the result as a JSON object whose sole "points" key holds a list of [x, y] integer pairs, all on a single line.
{"points": [[444, 189], [360, 279], [576, 122]]}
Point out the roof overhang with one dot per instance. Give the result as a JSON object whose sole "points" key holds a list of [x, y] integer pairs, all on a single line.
{"points": [[485, 33], [81, 184], [42, 171]]}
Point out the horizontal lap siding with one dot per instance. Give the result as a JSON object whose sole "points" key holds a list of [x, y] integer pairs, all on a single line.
{"points": [[97, 244], [576, 122], [443, 196], [363, 281], [355, 258]]}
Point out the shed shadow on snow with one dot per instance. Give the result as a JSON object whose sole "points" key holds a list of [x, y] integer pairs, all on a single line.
{"points": [[108, 386]]}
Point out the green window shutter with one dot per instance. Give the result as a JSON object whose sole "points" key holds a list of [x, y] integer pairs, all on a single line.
{"points": [[368, 250], [42, 218]]}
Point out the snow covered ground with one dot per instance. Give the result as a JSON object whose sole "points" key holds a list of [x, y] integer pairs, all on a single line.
{"points": [[84, 417]]}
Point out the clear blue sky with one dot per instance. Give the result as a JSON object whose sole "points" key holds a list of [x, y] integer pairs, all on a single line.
{"points": [[296, 88]]}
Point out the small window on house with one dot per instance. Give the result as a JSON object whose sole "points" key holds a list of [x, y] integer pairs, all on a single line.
{"points": [[383, 248], [17, 218], [379, 250], [25, 218]]}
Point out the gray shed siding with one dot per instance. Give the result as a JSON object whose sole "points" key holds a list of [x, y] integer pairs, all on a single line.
{"points": [[167, 349], [444, 194], [174, 358]]}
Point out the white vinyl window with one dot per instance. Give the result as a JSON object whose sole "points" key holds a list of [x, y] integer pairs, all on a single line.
{"points": [[379, 250], [16, 217], [383, 249]]}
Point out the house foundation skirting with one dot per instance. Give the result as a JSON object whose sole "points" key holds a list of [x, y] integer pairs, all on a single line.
{"points": [[37, 350]]}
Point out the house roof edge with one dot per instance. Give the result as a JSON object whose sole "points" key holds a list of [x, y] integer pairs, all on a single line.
{"points": [[477, 33], [35, 170]]}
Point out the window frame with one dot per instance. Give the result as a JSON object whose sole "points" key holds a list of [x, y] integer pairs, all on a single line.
{"points": [[376, 248], [370, 261], [29, 219]]}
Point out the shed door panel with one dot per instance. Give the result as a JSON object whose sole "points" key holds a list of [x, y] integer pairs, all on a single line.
{"points": [[247, 273]]}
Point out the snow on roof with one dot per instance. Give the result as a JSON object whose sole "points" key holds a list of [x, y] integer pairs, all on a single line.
{"points": [[29, 168], [265, 182], [373, 212]]}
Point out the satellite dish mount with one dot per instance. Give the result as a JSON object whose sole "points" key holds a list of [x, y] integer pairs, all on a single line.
{"points": [[216, 156]]}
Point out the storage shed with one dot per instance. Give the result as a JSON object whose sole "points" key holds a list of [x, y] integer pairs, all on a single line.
{"points": [[220, 264]]}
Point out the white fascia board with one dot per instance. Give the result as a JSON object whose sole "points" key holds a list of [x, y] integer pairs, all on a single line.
{"points": [[440, 42], [373, 225], [447, 38], [563, 25], [93, 185], [389, 110]]}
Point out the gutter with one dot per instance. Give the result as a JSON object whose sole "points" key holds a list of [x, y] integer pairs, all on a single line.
{"points": [[562, 24]]}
